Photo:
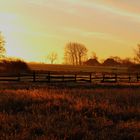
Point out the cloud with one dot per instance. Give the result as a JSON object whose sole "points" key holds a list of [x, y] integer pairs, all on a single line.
{"points": [[125, 8], [115, 7], [93, 34], [120, 8], [73, 6]]}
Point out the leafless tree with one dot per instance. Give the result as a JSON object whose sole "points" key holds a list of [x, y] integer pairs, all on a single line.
{"points": [[93, 56], [2, 43], [52, 57], [137, 54], [69, 54], [75, 53]]}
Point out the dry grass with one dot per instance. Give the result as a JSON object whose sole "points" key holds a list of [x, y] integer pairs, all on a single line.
{"points": [[84, 68], [70, 114]]}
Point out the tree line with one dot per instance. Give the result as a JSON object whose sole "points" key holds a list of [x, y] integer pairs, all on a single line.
{"points": [[10, 64], [76, 54], [2, 44]]}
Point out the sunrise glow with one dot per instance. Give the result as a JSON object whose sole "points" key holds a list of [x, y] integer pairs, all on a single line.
{"points": [[35, 28]]}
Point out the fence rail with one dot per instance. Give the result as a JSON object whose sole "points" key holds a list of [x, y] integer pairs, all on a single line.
{"points": [[55, 76]]}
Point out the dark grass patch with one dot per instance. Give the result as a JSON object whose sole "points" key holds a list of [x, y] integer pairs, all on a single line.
{"points": [[54, 113]]}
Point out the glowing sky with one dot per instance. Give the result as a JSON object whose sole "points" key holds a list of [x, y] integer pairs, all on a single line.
{"points": [[35, 28]]}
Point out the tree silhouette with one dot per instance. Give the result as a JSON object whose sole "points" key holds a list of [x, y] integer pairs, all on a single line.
{"points": [[137, 54], [75, 53], [93, 56], [116, 58], [2, 44], [127, 62], [52, 57]]}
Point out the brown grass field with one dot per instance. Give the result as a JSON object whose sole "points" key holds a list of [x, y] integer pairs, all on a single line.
{"points": [[83, 68], [74, 111]]}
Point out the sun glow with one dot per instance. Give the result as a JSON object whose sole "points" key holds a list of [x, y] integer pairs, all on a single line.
{"points": [[34, 29]]}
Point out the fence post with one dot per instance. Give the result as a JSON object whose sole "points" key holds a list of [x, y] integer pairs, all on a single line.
{"points": [[49, 76], [75, 77], [103, 78], [129, 78], [63, 78], [137, 77], [90, 77], [34, 76], [18, 79], [116, 76]]}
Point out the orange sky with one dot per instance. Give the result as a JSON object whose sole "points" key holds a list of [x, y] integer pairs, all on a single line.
{"points": [[35, 28]]}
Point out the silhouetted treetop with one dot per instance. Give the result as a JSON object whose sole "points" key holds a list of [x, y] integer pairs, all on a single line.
{"points": [[13, 65], [75, 53], [2, 44], [137, 54]]}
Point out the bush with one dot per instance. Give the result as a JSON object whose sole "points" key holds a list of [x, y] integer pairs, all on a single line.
{"points": [[13, 65]]}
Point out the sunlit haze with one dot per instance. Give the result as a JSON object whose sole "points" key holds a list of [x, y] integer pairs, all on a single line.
{"points": [[35, 28]]}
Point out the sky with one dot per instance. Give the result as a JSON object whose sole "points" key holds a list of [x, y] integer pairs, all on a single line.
{"points": [[35, 28]]}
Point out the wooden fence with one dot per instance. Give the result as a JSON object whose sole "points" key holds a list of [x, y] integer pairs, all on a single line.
{"points": [[54, 76]]}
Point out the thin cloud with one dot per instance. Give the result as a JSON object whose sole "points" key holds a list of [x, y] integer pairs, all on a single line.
{"points": [[99, 5], [71, 6], [87, 33], [111, 9], [93, 34]]}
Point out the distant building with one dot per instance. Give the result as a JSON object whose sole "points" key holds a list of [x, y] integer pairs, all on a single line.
{"points": [[92, 62], [111, 62]]}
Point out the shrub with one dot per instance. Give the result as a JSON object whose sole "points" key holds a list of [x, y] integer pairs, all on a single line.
{"points": [[13, 65]]}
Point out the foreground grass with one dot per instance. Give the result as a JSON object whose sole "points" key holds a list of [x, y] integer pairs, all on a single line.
{"points": [[55, 114]]}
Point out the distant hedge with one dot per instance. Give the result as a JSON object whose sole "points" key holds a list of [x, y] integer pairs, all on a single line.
{"points": [[13, 65]]}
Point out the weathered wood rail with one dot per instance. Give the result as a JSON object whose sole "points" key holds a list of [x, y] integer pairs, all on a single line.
{"points": [[55, 76]]}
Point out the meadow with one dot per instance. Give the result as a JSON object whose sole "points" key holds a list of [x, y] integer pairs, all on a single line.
{"points": [[69, 112], [71, 68]]}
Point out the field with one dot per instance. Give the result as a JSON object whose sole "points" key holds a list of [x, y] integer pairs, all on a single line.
{"points": [[83, 68], [69, 111]]}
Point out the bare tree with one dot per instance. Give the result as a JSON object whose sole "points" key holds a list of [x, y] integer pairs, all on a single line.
{"points": [[75, 53], [82, 52], [93, 56], [2, 43], [52, 57], [69, 54], [137, 54]]}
